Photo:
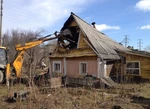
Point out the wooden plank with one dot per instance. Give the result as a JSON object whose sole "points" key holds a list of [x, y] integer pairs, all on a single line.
{"points": [[82, 43], [75, 53], [110, 81]]}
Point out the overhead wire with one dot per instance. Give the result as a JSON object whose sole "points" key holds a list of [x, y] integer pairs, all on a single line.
{"points": [[23, 15], [23, 10]]}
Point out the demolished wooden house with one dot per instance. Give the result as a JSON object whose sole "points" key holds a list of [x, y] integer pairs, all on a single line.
{"points": [[85, 51]]}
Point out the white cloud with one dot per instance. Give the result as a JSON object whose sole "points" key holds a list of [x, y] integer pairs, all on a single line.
{"points": [[143, 5], [145, 27], [102, 27], [36, 14]]}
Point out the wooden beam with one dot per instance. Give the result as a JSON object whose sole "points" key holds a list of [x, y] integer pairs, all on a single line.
{"points": [[98, 67], [65, 67], [50, 67]]}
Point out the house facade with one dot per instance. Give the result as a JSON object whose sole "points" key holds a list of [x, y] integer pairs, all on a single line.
{"points": [[83, 50]]}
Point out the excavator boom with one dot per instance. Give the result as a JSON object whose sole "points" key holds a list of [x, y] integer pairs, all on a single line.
{"points": [[28, 45], [21, 49]]}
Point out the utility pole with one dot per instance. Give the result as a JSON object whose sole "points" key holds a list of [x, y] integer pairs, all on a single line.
{"points": [[1, 15], [125, 40], [139, 44]]}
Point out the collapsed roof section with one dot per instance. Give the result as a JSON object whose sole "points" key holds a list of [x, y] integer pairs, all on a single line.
{"points": [[69, 37], [103, 46]]}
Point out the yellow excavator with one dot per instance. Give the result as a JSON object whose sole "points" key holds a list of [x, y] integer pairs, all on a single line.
{"points": [[5, 66]]}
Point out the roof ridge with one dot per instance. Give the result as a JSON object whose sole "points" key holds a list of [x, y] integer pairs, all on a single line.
{"points": [[79, 18], [88, 24]]}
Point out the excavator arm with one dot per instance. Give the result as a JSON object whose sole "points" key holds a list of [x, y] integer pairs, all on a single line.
{"points": [[17, 64], [21, 49]]}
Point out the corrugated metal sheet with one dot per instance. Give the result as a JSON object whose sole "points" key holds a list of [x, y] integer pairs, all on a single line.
{"points": [[106, 48]]}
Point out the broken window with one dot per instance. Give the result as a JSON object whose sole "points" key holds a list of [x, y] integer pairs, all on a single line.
{"points": [[56, 66], [133, 68], [68, 37], [83, 68]]}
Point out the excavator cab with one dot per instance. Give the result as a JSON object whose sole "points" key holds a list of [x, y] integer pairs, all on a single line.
{"points": [[3, 62]]}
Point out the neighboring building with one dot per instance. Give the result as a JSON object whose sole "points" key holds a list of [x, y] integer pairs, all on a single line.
{"points": [[137, 63], [83, 50]]}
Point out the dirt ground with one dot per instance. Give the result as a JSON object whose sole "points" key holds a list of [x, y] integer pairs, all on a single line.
{"points": [[125, 96]]}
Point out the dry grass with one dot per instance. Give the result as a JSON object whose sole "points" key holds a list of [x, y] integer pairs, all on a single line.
{"points": [[79, 98]]}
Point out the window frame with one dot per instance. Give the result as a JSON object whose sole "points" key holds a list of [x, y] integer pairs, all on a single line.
{"points": [[56, 62], [80, 72], [139, 68]]}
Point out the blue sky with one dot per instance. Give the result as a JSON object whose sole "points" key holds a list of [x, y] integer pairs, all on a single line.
{"points": [[115, 18]]}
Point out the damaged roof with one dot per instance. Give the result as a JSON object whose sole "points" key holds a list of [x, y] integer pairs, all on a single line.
{"points": [[103, 46]]}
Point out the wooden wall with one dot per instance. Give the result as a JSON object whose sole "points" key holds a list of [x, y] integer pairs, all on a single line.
{"points": [[74, 52], [82, 43], [56, 59], [109, 69], [72, 65], [144, 64]]}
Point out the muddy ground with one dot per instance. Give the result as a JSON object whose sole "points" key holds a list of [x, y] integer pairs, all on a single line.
{"points": [[125, 96]]}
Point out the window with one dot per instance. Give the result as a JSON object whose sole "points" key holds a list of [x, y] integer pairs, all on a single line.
{"points": [[83, 68], [133, 68], [56, 66], [3, 59]]}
